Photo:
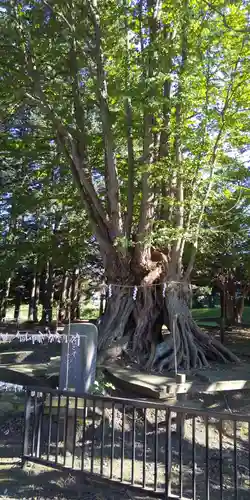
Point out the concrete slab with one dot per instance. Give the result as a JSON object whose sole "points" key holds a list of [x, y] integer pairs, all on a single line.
{"points": [[163, 387]]}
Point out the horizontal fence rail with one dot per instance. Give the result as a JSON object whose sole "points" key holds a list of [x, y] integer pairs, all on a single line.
{"points": [[172, 452]]}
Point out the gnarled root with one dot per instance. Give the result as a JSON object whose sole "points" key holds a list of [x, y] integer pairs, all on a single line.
{"points": [[187, 346], [139, 321]]}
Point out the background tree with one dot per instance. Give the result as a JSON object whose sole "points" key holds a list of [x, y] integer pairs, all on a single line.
{"points": [[46, 246], [147, 101]]}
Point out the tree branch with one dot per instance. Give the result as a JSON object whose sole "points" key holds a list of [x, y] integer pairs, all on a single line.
{"points": [[195, 181], [224, 19], [212, 166], [147, 207], [77, 161], [130, 145], [131, 168], [112, 185], [178, 179], [90, 200]]}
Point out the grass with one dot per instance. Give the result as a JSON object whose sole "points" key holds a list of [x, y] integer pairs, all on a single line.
{"points": [[206, 313], [88, 311]]}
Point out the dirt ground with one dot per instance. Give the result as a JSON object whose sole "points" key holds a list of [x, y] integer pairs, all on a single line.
{"points": [[33, 482]]}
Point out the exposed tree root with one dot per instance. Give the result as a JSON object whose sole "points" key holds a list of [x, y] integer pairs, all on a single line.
{"points": [[140, 321]]}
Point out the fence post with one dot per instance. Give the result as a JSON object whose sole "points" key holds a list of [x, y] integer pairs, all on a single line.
{"points": [[168, 455], [27, 415], [40, 410]]}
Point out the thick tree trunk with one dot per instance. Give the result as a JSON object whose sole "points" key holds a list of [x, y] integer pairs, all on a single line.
{"points": [[134, 327]]}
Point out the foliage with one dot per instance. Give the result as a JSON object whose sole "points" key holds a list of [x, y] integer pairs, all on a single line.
{"points": [[162, 95]]}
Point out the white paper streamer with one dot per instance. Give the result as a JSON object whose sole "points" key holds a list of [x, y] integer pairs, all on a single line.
{"points": [[135, 290]]}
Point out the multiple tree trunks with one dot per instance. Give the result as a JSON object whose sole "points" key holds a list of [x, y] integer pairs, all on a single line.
{"points": [[232, 307], [133, 327], [61, 295]]}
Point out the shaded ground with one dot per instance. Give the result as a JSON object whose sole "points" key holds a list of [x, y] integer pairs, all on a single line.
{"points": [[37, 482]]}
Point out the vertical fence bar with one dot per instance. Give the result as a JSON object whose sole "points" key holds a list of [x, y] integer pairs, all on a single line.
{"points": [[74, 433], [66, 424], [194, 457], [58, 425], [156, 451], [83, 433], [221, 459], [102, 438], [181, 433], [168, 455], [133, 448], [112, 440], [34, 428], [93, 438], [249, 452], [144, 448], [27, 417], [40, 428], [50, 426], [235, 462], [123, 441], [207, 487]]}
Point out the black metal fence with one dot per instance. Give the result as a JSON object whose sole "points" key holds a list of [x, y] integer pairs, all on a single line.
{"points": [[173, 452]]}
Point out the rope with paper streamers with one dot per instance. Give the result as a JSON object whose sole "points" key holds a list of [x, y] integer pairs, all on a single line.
{"points": [[135, 288], [40, 337]]}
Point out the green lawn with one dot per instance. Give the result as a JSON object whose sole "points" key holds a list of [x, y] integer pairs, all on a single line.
{"points": [[206, 313], [88, 311]]}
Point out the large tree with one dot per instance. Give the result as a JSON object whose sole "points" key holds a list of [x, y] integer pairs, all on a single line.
{"points": [[147, 101]]}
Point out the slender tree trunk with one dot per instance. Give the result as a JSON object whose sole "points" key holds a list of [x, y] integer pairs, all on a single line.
{"points": [[63, 297], [17, 303], [47, 288], [74, 294], [6, 293], [102, 303], [239, 309], [78, 306], [34, 294], [36, 297], [68, 300]]}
